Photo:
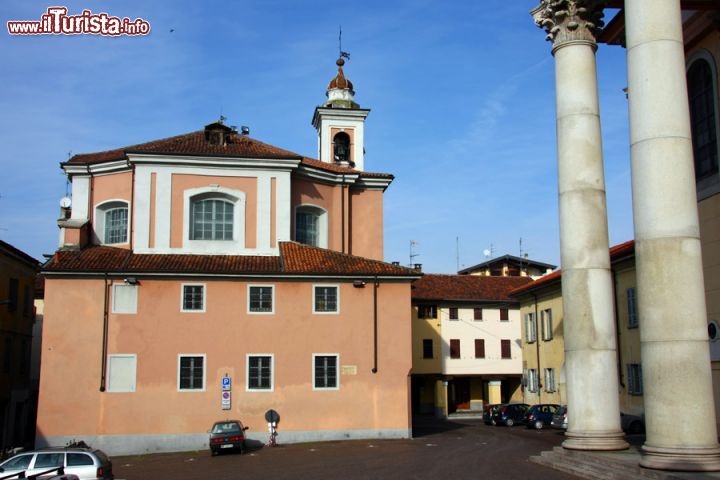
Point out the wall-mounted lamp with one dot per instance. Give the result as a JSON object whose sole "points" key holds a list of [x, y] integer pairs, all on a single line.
{"points": [[132, 281], [359, 283]]}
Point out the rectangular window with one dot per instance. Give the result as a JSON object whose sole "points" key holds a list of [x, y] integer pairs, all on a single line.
{"points": [[121, 373], [261, 299], [13, 295], [634, 379], [28, 301], [632, 308], [504, 315], [530, 328], [260, 372], [453, 313], [479, 348], [505, 351], [116, 223], [427, 311], [325, 371], [427, 348], [191, 372], [124, 298], [546, 324], [477, 313], [532, 380], [550, 380], [454, 348], [325, 299], [193, 298]]}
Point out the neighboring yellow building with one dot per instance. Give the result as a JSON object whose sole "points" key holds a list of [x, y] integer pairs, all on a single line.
{"points": [[17, 392], [466, 343]]}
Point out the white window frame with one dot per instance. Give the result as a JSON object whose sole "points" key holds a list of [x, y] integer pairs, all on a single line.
{"points": [[182, 297], [204, 357], [115, 309], [530, 327], [272, 307], [99, 219], [237, 197], [322, 222], [109, 372], [338, 369], [337, 310], [272, 373], [546, 322]]}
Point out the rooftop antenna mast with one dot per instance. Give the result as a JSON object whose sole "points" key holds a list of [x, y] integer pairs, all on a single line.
{"points": [[412, 252]]}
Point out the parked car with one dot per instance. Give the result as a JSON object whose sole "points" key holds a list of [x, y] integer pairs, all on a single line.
{"points": [[227, 435], [510, 414], [632, 424], [85, 463], [488, 413], [540, 415], [559, 419]]}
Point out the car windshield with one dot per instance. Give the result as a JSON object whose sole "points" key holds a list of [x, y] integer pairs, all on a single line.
{"points": [[226, 427], [20, 462]]}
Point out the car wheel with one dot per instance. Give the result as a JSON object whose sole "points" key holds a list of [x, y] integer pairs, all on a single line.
{"points": [[213, 453], [539, 425], [493, 422], [635, 428], [509, 422]]}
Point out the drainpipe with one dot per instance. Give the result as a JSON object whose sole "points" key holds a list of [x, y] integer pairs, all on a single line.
{"points": [[342, 212], [131, 215], [105, 335], [376, 284], [537, 349]]}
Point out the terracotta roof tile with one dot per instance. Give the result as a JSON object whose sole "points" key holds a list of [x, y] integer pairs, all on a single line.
{"points": [[294, 258], [196, 144], [616, 253], [466, 287]]}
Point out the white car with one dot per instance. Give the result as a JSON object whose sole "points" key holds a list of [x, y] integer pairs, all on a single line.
{"points": [[77, 463]]}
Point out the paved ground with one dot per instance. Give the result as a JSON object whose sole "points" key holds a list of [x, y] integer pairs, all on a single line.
{"points": [[440, 451]]}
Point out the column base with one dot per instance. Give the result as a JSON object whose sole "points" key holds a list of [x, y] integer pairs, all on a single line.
{"points": [[681, 459], [606, 441]]}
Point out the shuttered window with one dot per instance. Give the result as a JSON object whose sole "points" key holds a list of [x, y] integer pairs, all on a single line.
{"points": [[505, 349], [504, 315], [479, 348], [453, 313], [454, 348], [477, 314], [632, 308], [427, 348]]}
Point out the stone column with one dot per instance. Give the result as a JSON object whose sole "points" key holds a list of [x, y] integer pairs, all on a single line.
{"points": [[671, 294], [589, 326]]}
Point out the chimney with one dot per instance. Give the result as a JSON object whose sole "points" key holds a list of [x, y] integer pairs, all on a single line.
{"points": [[396, 264], [418, 267], [218, 133]]}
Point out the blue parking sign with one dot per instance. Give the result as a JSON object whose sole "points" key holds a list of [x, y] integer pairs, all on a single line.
{"points": [[226, 383]]}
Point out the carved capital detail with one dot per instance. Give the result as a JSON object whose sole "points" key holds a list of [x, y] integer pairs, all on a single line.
{"points": [[569, 21]]}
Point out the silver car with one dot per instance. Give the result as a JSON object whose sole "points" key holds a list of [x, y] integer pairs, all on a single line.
{"points": [[86, 463]]}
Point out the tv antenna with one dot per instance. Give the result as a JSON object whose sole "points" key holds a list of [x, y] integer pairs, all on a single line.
{"points": [[412, 251]]}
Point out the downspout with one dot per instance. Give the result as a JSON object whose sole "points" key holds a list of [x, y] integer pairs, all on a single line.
{"points": [[105, 336], [617, 327], [537, 349], [132, 206], [376, 284]]}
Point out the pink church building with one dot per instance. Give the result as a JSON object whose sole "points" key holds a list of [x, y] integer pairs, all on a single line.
{"points": [[211, 276]]}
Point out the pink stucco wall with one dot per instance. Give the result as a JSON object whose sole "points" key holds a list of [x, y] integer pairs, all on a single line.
{"points": [[225, 333], [366, 223]]}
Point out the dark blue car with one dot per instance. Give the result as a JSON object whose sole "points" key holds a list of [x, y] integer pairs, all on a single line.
{"points": [[540, 415]]}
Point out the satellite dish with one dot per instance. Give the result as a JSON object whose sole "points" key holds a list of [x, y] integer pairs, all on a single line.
{"points": [[65, 202], [486, 252]]}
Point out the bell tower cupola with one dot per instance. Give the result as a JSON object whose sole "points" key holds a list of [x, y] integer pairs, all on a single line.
{"points": [[340, 123]]}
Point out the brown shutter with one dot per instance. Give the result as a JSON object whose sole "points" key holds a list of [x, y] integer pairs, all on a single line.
{"points": [[454, 348], [478, 313], [453, 313], [505, 349], [503, 314], [479, 348]]}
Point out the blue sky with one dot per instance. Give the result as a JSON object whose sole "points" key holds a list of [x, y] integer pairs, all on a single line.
{"points": [[462, 98]]}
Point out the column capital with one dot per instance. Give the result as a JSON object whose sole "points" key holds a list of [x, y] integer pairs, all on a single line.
{"points": [[570, 21]]}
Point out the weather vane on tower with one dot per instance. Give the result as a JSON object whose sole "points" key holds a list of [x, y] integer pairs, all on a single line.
{"points": [[342, 54]]}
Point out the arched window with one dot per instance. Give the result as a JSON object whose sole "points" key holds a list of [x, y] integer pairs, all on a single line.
{"points": [[111, 222], [703, 118], [311, 225], [211, 218], [341, 147]]}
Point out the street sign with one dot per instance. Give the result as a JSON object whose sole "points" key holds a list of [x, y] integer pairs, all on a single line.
{"points": [[226, 385], [226, 400]]}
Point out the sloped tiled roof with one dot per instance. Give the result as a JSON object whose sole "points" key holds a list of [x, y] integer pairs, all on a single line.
{"points": [[294, 259], [196, 144], [15, 252], [617, 253], [466, 287]]}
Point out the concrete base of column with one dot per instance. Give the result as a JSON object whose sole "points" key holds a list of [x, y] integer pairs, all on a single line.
{"points": [[681, 459], [595, 441]]}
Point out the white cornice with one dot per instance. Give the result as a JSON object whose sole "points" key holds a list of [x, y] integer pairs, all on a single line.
{"points": [[332, 177], [272, 163], [373, 183], [268, 276], [338, 114], [95, 168]]}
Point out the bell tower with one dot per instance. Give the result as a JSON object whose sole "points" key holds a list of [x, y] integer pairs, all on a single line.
{"points": [[340, 123]]}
